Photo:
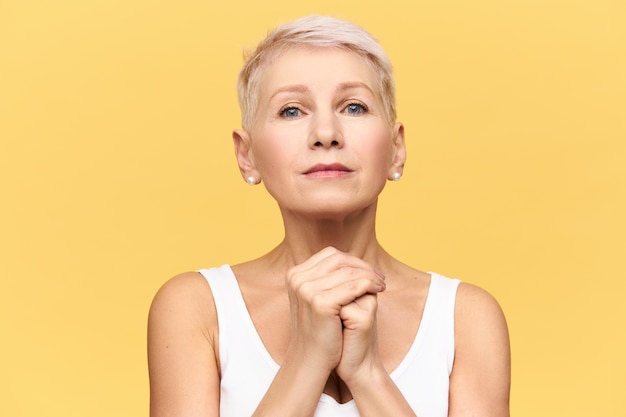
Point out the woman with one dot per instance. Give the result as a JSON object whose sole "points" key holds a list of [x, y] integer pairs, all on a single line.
{"points": [[327, 323]]}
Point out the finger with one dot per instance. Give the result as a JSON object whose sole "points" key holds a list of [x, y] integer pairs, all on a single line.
{"points": [[360, 314], [332, 258], [337, 294], [316, 258], [338, 268], [338, 261], [325, 264]]}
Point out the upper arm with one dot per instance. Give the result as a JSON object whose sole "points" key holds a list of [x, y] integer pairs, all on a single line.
{"points": [[182, 349], [481, 376]]}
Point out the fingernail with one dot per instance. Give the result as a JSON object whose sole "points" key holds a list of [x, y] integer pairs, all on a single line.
{"points": [[380, 274]]}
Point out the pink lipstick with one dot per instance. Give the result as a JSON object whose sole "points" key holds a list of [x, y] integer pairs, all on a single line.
{"points": [[327, 171]]}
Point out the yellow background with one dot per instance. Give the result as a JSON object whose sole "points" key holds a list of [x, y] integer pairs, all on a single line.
{"points": [[117, 172]]}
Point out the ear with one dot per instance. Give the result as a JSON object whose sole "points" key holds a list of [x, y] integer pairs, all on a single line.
{"points": [[399, 151], [243, 152]]}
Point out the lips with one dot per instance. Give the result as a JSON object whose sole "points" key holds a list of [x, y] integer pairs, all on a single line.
{"points": [[327, 169]]}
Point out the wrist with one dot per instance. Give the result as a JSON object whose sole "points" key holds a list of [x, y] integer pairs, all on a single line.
{"points": [[309, 361], [367, 376], [377, 395]]}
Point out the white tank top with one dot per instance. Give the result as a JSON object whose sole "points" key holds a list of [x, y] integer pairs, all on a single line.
{"points": [[247, 368]]}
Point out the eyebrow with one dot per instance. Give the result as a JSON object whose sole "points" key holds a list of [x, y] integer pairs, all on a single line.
{"points": [[354, 85], [303, 89], [296, 88]]}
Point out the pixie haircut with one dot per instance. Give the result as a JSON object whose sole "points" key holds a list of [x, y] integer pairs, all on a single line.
{"points": [[314, 32]]}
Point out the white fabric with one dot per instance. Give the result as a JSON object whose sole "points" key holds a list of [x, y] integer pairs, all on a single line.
{"points": [[248, 369]]}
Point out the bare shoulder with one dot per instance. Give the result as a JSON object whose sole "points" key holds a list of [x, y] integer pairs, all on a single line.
{"points": [[183, 308], [474, 305], [479, 320], [182, 355], [480, 380], [188, 284], [185, 296]]}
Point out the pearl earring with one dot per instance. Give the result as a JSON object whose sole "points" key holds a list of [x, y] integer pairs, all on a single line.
{"points": [[251, 180], [396, 176]]}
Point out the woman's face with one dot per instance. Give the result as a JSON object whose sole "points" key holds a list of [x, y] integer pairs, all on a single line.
{"points": [[320, 140]]}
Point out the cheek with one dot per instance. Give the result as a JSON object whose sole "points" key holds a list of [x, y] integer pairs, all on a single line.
{"points": [[266, 164], [380, 147], [271, 156]]}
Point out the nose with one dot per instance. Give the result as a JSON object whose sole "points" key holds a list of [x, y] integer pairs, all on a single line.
{"points": [[325, 131]]}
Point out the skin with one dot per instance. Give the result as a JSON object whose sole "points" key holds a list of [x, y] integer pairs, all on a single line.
{"points": [[328, 302]]}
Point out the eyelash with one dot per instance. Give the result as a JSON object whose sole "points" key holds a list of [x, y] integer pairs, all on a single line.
{"points": [[362, 106], [283, 111]]}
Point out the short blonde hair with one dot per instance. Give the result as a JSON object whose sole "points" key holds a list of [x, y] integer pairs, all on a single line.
{"points": [[314, 32]]}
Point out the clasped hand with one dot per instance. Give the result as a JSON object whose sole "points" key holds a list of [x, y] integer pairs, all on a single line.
{"points": [[333, 302]]}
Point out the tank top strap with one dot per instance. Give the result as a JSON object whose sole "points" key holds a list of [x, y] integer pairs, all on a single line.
{"points": [[236, 329], [247, 369], [442, 299], [226, 294]]}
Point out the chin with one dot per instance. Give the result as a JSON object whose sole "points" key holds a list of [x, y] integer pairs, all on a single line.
{"points": [[335, 209]]}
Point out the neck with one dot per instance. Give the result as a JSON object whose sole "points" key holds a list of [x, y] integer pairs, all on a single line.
{"points": [[305, 235]]}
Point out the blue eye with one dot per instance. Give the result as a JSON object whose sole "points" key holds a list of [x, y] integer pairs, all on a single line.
{"points": [[290, 112], [356, 108]]}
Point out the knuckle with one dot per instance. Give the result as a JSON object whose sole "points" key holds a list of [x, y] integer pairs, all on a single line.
{"points": [[292, 286], [317, 302], [291, 272], [347, 271], [304, 290], [362, 286], [330, 250], [337, 258], [295, 280]]}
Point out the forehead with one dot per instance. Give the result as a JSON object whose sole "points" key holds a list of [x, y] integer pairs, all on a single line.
{"points": [[315, 68]]}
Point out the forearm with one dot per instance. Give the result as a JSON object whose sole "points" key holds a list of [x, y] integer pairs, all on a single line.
{"points": [[378, 396], [295, 391]]}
